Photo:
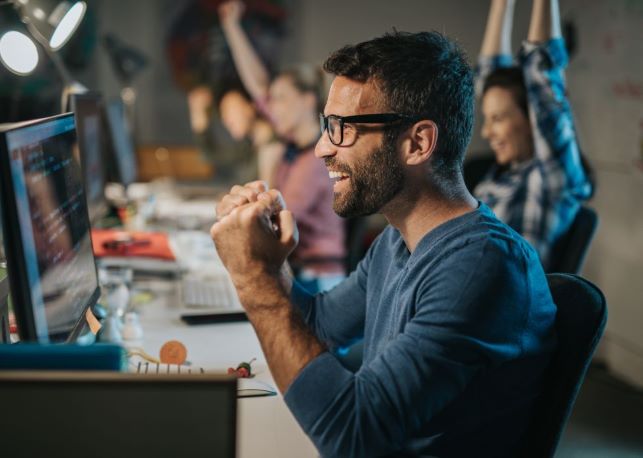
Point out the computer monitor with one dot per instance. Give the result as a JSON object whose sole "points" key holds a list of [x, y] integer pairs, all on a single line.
{"points": [[88, 109], [52, 273], [123, 168], [110, 414]]}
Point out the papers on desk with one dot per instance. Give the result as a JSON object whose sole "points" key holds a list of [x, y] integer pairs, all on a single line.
{"points": [[251, 387], [246, 387]]}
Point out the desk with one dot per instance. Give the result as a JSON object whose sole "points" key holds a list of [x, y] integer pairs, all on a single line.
{"points": [[265, 428]]}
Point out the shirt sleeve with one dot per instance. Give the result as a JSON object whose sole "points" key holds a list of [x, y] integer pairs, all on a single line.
{"points": [[347, 300], [558, 180], [461, 327], [549, 109]]}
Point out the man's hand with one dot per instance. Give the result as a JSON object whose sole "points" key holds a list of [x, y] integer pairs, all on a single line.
{"points": [[231, 12], [240, 195], [254, 236]]}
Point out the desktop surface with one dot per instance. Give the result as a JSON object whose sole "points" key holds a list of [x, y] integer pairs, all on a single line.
{"points": [[266, 427]]}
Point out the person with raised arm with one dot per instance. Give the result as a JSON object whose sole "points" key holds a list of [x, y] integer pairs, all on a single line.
{"points": [[538, 182], [292, 102]]}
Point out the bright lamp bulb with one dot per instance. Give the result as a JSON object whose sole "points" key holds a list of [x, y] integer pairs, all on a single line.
{"points": [[18, 53], [67, 25]]}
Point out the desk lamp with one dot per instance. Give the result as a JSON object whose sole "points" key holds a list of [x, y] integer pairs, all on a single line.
{"points": [[52, 23]]}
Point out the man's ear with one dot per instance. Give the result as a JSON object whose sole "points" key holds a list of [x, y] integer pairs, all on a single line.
{"points": [[421, 142]]}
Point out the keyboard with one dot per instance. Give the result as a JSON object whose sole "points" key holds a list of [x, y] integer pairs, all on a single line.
{"points": [[146, 367], [216, 292], [246, 387]]}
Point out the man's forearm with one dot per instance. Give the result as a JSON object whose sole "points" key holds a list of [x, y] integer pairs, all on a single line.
{"points": [[287, 342]]}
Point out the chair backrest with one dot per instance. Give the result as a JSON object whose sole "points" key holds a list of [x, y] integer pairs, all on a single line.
{"points": [[475, 168], [568, 253], [580, 322]]}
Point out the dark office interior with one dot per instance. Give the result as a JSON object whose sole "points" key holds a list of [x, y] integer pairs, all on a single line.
{"points": [[184, 115]]}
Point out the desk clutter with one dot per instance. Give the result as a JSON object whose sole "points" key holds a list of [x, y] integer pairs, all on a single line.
{"points": [[82, 292], [114, 358]]}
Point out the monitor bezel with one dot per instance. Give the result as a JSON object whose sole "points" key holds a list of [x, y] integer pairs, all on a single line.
{"points": [[116, 168], [100, 208], [14, 249]]}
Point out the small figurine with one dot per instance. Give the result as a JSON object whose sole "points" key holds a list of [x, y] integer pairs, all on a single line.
{"points": [[243, 370]]}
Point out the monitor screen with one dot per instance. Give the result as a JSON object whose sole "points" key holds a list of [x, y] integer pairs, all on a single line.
{"points": [[88, 108], [46, 227], [122, 147]]}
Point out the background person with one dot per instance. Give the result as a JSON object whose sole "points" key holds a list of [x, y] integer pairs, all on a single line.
{"points": [[538, 183], [292, 102]]}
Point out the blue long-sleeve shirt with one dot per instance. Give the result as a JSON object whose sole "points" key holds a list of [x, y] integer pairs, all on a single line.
{"points": [[456, 338]]}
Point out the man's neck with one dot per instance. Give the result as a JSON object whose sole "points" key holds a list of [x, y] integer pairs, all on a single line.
{"points": [[416, 211]]}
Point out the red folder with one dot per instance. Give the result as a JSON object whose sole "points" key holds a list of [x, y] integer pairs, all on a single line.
{"points": [[117, 243]]}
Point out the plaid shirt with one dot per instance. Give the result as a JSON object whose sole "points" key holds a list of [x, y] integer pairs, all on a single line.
{"points": [[539, 198]]}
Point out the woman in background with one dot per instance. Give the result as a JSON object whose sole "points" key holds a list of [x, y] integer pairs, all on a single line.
{"points": [[539, 182]]}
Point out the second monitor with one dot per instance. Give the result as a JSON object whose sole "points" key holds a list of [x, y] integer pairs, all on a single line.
{"points": [[88, 110], [122, 161]]}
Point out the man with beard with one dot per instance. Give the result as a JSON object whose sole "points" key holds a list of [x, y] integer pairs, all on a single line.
{"points": [[452, 304]]}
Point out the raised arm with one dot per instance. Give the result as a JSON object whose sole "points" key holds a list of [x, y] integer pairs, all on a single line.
{"points": [[496, 44], [252, 71], [497, 35], [545, 21]]}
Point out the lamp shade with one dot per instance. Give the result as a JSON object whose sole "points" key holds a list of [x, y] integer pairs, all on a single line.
{"points": [[18, 52], [52, 22]]}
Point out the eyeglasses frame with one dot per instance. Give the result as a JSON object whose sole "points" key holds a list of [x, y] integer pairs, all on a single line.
{"points": [[375, 118]]}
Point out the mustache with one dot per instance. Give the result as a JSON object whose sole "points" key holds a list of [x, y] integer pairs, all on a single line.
{"points": [[333, 163]]}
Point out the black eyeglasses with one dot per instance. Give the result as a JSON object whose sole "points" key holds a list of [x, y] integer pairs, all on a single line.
{"points": [[340, 129]]}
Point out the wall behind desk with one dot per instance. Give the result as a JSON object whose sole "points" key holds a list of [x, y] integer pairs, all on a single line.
{"points": [[606, 90]]}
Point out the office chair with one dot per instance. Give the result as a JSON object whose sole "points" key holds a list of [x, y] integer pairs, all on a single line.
{"points": [[568, 253], [580, 321]]}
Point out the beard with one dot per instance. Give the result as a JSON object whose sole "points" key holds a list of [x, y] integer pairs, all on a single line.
{"points": [[373, 183]]}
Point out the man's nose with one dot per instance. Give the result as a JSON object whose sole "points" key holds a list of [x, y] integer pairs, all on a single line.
{"points": [[324, 147]]}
